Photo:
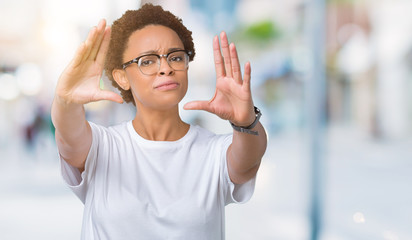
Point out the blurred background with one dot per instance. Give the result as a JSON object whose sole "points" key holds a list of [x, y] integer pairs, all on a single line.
{"points": [[332, 78]]}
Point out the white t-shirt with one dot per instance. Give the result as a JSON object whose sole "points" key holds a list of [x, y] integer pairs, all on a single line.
{"points": [[133, 188]]}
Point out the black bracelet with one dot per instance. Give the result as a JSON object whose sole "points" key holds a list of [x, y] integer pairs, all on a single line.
{"points": [[248, 128]]}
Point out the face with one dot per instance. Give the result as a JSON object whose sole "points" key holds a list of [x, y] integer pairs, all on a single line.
{"points": [[163, 89]]}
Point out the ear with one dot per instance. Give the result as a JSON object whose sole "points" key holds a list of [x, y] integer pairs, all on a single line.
{"points": [[120, 77]]}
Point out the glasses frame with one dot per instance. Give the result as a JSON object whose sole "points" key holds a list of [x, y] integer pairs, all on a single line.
{"points": [[159, 56]]}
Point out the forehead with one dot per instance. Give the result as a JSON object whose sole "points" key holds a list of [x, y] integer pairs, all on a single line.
{"points": [[152, 38]]}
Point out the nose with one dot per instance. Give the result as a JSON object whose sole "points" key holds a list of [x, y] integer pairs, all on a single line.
{"points": [[164, 68]]}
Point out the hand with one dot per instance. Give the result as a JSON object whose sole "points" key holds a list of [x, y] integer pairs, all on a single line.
{"points": [[80, 81], [233, 99]]}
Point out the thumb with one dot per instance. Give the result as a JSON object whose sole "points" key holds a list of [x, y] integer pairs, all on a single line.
{"points": [[198, 105], [108, 95]]}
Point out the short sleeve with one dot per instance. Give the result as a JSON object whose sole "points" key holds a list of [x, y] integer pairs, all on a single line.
{"points": [[79, 183], [234, 193]]}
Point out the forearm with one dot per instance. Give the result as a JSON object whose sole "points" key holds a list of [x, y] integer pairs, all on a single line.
{"points": [[246, 153], [73, 133]]}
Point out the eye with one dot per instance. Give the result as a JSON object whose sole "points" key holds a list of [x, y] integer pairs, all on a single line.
{"points": [[175, 59], [147, 61]]}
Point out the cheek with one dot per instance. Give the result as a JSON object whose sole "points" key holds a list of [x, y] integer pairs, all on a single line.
{"points": [[186, 84], [139, 88], [139, 85]]}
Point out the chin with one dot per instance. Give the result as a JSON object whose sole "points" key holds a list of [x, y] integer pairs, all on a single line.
{"points": [[167, 102]]}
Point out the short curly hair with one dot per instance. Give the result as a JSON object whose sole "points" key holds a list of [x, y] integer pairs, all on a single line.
{"points": [[133, 20]]}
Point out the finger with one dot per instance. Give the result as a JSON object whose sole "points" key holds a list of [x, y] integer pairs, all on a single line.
{"points": [[246, 76], [217, 55], [226, 54], [81, 50], [101, 55], [89, 42], [98, 40], [108, 95], [198, 105], [237, 74]]}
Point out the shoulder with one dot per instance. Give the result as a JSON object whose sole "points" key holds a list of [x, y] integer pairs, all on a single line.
{"points": [[203, 134], [118, 130], [120, 127]]}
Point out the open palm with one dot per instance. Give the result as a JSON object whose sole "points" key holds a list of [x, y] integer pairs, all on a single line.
{"points": [[233, 99], [80, 81]]}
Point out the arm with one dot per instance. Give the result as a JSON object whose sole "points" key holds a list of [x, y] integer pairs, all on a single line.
{"points": [[73, 134], [78, 85], [233, 101], [245, 153]]}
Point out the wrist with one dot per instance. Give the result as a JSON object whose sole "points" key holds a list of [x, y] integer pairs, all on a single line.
{"points": [[247, 128], [65, 99], [63, 107], [246, 119], [246, 123]]}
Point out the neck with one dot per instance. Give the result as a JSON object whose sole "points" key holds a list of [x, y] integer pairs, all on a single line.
{"points": [[159, 125]]}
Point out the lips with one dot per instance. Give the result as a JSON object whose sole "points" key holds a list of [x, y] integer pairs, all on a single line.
{"points": [[167, 85]]}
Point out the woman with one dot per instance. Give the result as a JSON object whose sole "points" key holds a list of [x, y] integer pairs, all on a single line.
{"points": [[155, 177]]}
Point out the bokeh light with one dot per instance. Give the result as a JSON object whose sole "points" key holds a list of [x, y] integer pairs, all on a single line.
{"points": [[29, 79], [9, 89]]}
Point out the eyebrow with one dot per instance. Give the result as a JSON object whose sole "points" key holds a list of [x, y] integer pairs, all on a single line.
{"points": [[155, 52]]}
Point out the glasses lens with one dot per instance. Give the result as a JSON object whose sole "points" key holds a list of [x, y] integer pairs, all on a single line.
{"points": [[178, 60], [149, 64]]}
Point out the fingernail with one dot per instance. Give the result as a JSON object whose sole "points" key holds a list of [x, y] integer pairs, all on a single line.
{"points": [[102, 21]]}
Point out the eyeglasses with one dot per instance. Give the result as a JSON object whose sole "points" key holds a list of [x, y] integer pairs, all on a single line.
{"points": [[149, 64]]}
